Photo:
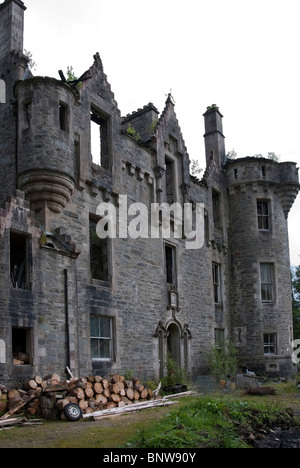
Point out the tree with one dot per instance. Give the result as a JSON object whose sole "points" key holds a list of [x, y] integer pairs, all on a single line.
{"points": [[296, 300], [195, 168]]}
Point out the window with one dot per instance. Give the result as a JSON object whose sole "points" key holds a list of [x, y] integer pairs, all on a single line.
{"points": [[267, 282], [170, 258], [270, 343], [21, 346], [219, 338], [27, 108], [170, 192], [263, 215], [19, 265], [102, 338], [216, 272], [98, 254], [77, 157], [99, 139], [216, 209], [63, 117]]}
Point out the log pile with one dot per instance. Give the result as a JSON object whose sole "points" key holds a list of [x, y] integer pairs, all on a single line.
{"points": [[91, 393]]}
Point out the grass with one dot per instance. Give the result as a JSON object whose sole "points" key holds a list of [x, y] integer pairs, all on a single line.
{"points": [[215, 420]]}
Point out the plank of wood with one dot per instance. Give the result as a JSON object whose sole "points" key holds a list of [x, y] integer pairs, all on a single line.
{"points": [[17, 407]]}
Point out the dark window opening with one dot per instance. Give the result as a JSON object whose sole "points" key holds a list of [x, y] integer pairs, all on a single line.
{"points": [[21, 346], [270, 343], [263, 215], [216, 202], [170, 181], [19, 261], [27, 114], [77, 157], [63, 117], [99, 140], [98, 254], [235, 173], [170, 254], [216, 270], [263, 171]]}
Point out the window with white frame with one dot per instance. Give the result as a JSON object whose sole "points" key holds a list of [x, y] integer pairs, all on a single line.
{"points": [[102, 338], [267, 282], [270, 343]]}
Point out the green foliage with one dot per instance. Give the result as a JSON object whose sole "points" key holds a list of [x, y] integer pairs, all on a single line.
{"points": [[31, 63], [223, 361], [175, 374], [72, 77], [133, 132], [153, 126], [195, 168]]}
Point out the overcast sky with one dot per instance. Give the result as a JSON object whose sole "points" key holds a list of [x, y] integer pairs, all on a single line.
{"points": [[241, 55]]}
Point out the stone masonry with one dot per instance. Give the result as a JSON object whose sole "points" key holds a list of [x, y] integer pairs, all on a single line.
{"points": [[69, 298]]}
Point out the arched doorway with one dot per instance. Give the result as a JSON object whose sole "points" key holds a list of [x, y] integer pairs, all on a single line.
{"points": [[173, 343]]}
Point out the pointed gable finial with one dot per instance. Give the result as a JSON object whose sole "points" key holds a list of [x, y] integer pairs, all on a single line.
{"points": [[170, 98]]}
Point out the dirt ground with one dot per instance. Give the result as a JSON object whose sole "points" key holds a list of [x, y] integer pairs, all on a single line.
{"points": [[86, 433]]}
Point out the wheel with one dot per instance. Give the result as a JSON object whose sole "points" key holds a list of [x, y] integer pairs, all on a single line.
{"points": [[72, 412]]}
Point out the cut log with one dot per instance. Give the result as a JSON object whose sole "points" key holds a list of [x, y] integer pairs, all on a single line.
{"points": [[62, 403], [128, 384], [130, 394], [100, 398], [111, 405], [117, 387], [79, 392], [38, 380], [136, 395], [105, 383], [144, 393], [106, 392], [83, 404], [89, 392], [115, 398], [91, 378], [98, 379], [98, 388], [14, 394], [139, 387], [30, 385]]}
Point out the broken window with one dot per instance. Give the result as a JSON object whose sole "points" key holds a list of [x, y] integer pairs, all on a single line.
{"points": [[267, 282], [216, 204], [19, 261], [170, 188], [63, 116], [98, 254], [170, 258], [216, 272], [21, 345], [263, 215], [270, 343], [99, 140], [102, 338]]}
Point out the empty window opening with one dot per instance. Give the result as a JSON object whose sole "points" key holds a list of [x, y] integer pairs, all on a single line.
{"points": [[263, 171], [102, 338], [263, 215], [267, 282], [99, 140], [235, 173], [27, 108], [170, 188], [216, 271], [216, 202], [98, 254], [170, 257], [21, 346], [63, 117], [270, 343], [77, 157], [19, 260]]}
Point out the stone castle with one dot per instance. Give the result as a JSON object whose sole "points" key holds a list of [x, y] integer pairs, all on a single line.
{"points": [[71, 299]]}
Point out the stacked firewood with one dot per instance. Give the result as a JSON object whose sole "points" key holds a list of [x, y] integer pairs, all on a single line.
{"points": [[91, 393], [95, 393]]}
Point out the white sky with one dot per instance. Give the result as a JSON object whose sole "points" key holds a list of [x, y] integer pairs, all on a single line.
{"points": [[241, 55]]}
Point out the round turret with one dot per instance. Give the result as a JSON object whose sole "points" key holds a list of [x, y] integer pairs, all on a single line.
{"points": [[45, 142]]}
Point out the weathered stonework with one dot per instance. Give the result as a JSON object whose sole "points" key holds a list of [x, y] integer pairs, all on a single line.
{"points": [[53, 298]]}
